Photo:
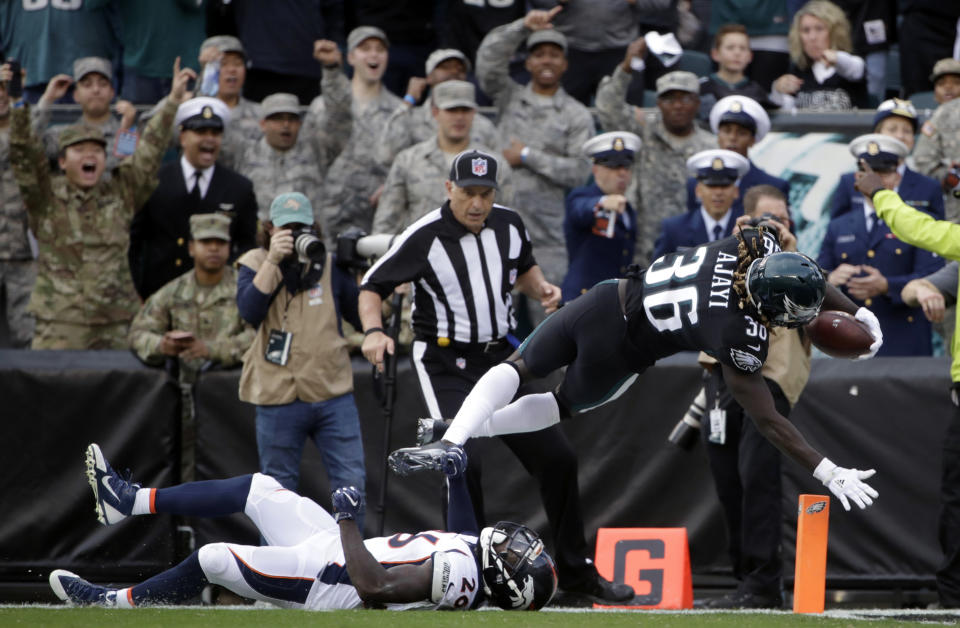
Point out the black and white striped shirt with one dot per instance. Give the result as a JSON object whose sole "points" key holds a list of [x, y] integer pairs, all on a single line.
{"points": [[461, 280]]}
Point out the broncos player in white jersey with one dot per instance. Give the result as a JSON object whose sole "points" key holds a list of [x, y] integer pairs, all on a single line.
{"points": [[719, 298], [315, 561]]}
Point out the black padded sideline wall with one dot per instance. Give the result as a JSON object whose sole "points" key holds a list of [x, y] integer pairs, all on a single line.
{"points": [[53, 405], [888, 413]]}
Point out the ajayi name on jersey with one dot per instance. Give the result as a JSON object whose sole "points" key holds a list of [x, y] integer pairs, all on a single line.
{"points": [[690, 301]]}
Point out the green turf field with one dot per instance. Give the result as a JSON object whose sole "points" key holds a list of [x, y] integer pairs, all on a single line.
{"points": [[52, 617]]}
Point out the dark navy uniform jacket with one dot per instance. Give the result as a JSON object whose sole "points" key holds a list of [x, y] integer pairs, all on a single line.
{"points": [[686, 230], [915, 189], [906, 330], [754, 176], [593, 258]]}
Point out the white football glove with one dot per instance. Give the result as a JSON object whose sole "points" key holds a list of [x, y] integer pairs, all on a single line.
{"points": [[847, 484], [870, 320]]}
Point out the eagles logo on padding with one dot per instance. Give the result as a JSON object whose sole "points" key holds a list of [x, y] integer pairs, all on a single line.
{"points": [[816, 507], [745, 361]]}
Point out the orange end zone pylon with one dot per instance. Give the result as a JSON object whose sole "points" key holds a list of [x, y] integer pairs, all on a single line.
{"points": [[810, 574], [654, 561]]}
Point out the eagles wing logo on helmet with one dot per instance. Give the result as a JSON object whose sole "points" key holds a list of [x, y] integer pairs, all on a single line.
{"points": [[798, 313], [745, 361]]}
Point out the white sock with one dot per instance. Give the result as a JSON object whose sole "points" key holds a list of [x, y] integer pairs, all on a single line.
{"points": [[529, 413], [141, 504], [494, 390], [122, 600]]}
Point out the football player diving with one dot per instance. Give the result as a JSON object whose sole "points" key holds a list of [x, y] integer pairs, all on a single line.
{"points": [[315, 561], [719, 298]]}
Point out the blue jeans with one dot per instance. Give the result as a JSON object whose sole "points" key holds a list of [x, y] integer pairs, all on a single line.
{"points": [[333, 425]]}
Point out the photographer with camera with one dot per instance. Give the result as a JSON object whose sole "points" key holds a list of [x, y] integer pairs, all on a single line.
{"points": [[297, 371], [745, 465]]}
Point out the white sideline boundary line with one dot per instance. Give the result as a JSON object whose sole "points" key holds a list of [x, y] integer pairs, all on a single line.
{"points": [[864, 614]]}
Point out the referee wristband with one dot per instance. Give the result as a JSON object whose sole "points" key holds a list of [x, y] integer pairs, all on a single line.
{"points": [[373, 330], [410, 100]]}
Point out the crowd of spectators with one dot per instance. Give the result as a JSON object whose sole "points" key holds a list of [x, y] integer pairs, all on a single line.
{"points": [[358, 110]]}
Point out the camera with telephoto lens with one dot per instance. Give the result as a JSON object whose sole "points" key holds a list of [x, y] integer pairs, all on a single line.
{"points": [[355, 248], [686, 432], [951, 180], [765, 217], [308, 246]]}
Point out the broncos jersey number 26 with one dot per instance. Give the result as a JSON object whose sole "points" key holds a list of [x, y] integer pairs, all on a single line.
{"points": [[669, 291]]}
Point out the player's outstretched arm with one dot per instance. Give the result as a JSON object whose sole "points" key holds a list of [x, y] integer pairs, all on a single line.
{"points": [[374, 583], [752, 394]]}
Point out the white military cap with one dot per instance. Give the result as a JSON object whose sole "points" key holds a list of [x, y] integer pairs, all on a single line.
{"points": [[717, 166], [202, 112], [741, 110], [613, 149], [896, 107], [881, 152]]}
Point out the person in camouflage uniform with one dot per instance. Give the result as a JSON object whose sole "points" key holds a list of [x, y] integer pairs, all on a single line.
{"points": [[195, 320], [84, 296], [670, 137], [542, 129], [938, 152], [410, 124], [94, 92], [355, 179], [414, 186], [286, 159], [18, 270], [245, 114]]}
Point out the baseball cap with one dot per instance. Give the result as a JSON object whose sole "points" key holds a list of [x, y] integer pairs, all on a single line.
{"points": [[743, 111], [679, 80], [547, 36], [613, 149], [945, 66], [450, 94], [881, 152], [279, 103], [226, 43], [206, 226], [472, 167], [86, 65], [289, 208], [361, 33], [717, 166], [439, 56], [76, 133], [896, 107], [202, 112]]}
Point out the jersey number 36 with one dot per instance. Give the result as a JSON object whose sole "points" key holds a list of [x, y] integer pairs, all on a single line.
{"points": [[666, 299]]}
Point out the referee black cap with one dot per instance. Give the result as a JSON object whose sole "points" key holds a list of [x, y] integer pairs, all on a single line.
{"points": [[471, 167]]}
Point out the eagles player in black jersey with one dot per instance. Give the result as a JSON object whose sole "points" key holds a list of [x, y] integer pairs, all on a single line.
{"points": [[719, 298]]}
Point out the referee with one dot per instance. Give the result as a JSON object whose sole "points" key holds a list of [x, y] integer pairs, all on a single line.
{"points": [[464, 259]]}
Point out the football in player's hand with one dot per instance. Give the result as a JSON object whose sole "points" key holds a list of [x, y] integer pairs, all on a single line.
{"points": [[839, 334]]}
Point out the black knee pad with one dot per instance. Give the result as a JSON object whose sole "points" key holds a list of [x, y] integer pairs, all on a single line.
{"points": [[564, 410], [516, 361]]}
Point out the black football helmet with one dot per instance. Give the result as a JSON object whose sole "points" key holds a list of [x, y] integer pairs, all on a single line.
{"points": [[517, 573], [786, 287]]}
